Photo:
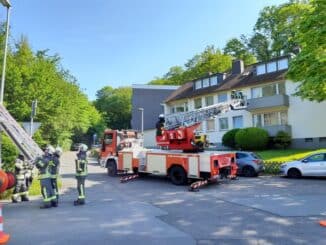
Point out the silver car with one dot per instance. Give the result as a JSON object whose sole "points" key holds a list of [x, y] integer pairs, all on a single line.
{"points": [[312, 165], [249, 164]]}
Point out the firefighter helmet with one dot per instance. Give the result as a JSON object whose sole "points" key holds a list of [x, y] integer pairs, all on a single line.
{"points": [[58, 151], [161, 116], [83, 147], [49, 149]]}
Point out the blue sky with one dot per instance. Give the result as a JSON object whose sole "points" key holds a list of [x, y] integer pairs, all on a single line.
{"points": [[124, 42]]}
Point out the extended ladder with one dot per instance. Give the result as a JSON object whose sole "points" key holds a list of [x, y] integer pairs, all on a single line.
{"points": [[189, 118], [18, 135]]}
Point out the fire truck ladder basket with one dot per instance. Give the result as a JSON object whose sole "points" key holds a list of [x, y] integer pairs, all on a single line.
{"points": [[192, 117], [18, 135]]}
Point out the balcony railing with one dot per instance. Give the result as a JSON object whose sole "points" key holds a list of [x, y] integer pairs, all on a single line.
{"points": [[279, 100]]}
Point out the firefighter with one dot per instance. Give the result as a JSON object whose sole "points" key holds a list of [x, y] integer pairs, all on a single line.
{"points": [[160, 125], [20, 187], [54, 171], [43, 164], [81, 173]]}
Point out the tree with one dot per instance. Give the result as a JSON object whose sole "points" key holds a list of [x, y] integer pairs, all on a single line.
{"points": [[308, 68], [237, 49], [115, 105]]}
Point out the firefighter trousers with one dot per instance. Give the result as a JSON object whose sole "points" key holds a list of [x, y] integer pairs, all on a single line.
{"points": [[20, 190], [54, 183], [81, 187], [47, 192]]}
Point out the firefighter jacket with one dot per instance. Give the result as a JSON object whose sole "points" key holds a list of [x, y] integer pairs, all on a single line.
{"points": [[81, 164], [54, 166], [43, 164], [20, 169]]}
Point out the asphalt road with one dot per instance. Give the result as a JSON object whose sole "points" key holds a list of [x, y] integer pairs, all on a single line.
{"points": [[264, 210]]}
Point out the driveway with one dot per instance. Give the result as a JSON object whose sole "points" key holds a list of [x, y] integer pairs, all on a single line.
{"points": [[264, 210]]}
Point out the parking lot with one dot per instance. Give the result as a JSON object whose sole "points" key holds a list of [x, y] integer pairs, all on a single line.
{"points": [[263, 210]]}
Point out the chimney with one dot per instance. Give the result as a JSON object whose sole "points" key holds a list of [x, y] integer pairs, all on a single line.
{"points": [[237, 67]]}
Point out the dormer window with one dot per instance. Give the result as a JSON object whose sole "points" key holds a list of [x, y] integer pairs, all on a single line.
{"points": [[271, 66], [198, 84], [283, 64], [213, 80], [261, 69], [205, 82]]}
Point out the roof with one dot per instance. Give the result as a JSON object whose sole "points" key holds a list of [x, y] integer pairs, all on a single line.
{"points": [[232, 81]]}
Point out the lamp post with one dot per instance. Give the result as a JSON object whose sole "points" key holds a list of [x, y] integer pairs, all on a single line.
{"points": [[6, 4], [142, 119]]}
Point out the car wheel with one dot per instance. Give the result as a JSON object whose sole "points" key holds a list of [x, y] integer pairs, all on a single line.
{"points": [[178, 175], [248, 171], [294, 173], [112, 168]]}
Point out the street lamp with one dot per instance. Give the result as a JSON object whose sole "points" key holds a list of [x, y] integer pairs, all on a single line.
{"points": [[142, 119], [6, 4]]}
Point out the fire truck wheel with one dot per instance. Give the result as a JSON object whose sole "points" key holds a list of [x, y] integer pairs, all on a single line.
{"points": [[112, 168], [178, 175]]}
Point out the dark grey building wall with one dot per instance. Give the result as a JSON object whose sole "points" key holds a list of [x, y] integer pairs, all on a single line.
{"points": [[309, 143], [150, 100]]}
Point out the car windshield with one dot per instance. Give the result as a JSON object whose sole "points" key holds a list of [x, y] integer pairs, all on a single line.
{"points": [[255, 156]]}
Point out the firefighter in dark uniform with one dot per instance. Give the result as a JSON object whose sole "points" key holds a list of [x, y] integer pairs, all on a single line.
{"points": [[20, 187], [81, 174], [43, 164], [160, 125], [54, 171]]}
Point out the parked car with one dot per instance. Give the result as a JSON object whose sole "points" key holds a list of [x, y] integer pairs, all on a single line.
{"points": [[249, 164], [312, 165]]}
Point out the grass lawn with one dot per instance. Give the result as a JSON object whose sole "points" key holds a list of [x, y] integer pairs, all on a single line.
{"points": [[285, 155], [35, 188]]}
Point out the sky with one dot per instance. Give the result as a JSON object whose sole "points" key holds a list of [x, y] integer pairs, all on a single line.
{"points": [[124, 42]]}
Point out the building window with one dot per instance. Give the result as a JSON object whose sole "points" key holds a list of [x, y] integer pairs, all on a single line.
{"points": [[271, 66], [213, 80], [198, 84], [205, 82], [256, 93], [198, 103], [209, 100], [238, 122], [210, 125], [322, 139], [261, 69], [224, 124], [281, 88], [200, 128], [179, 109], [308, 140], [270, 119], [269, 90], [282, 64], [172, 110], [222, 97], [186, 106], [257, 120]]}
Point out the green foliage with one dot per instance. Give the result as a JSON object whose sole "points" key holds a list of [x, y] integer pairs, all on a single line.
{"points": [[237, 49], [308, 68], [251, 138], [9, 154], [115, 106], [282, 140], [228, 138]]}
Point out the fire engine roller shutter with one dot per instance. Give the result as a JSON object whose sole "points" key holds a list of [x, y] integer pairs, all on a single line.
{"points": [[127, 160], [156, 164], [193, 166]]}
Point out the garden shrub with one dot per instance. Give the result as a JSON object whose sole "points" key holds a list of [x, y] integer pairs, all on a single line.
{"points": [[282, 140], [251, 138], [228, 138]]}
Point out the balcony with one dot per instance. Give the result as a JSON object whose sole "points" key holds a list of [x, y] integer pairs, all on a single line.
{"points": [[279, 100], [272, 130]]}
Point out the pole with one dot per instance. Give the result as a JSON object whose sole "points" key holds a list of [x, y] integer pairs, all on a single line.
{"points": [[3, 76]]}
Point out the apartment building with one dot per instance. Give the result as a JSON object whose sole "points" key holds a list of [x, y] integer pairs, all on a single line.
{"points": [[271, 104]]}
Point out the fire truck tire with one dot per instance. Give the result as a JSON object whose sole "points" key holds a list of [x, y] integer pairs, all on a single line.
{"points": [[178, 175], [112, 168]]}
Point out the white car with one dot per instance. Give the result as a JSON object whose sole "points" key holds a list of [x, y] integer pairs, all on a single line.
{"points": [[312, 165]]}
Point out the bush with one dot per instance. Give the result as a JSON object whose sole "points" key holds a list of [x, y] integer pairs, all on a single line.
{"points": [[282, 140], [229, 138], [251, 138]]}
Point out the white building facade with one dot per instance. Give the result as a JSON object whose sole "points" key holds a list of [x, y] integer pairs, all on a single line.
{"points": [[271, 104]]}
